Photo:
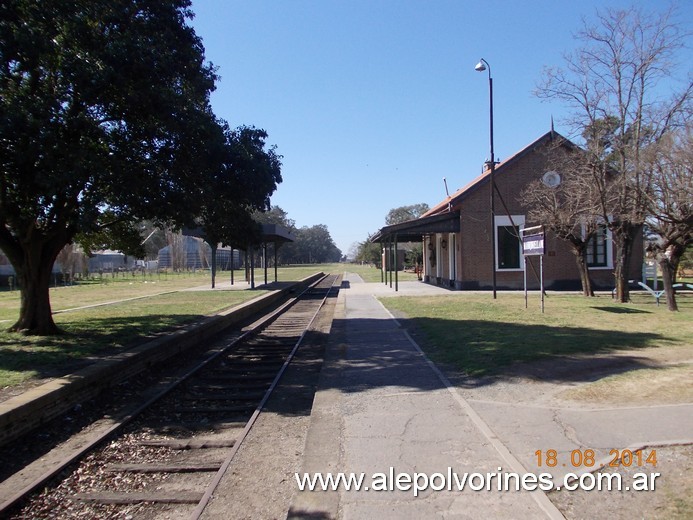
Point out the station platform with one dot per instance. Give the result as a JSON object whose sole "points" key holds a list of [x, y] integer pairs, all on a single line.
{"points": [[385, 411], [383, 408]]}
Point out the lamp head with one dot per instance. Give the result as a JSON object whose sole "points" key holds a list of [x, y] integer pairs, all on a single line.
{"points": [[480, 67]]}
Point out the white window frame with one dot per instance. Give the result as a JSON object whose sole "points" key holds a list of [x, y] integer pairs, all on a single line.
{"points": [[609, 248], [503, 221]]}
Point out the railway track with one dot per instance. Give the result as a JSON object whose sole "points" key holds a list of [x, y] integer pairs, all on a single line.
{"points": [[166, 457]]}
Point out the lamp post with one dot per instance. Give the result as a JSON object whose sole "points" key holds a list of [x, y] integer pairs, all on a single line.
{"points": [[480, 67]]}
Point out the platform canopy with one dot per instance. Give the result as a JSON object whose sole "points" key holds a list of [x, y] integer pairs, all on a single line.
{"points": [[269, 233], [276, 233], [413, 230]]}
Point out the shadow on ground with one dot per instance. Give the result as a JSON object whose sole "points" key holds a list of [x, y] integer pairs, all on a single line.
{"points": [[621, 310], [371, 353], [54, 356]]}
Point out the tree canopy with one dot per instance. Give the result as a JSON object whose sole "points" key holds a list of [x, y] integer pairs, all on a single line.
{"points": [[669, 202], [405, 213], [245, 176], [569, 209], [312, 245], [621, 84], [106, 120]]}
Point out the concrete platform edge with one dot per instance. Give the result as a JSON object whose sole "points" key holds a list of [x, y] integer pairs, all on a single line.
{"points": [[26, 411], [319, 455]]}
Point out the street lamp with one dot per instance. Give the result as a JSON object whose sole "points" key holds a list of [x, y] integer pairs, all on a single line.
{"points": [[480, 67]]}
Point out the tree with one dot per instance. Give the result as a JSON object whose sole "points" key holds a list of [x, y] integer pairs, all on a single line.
{"points": [[614, 83], [405, 213], [105, 107], [568, 209], [71, 260], [239, 185], [313, 245], [278, 216], [275, 215], [111, 232], [369, 252], [153, 239], [414, 251], [176, 248], [670, 204], [686, 263]]}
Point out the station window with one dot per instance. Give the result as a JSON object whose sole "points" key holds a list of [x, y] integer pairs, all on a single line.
{"points": [[597, 248], [508, 243], [508, 248]]}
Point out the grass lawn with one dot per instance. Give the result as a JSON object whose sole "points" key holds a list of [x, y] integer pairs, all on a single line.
{"points": [[482, 337], [468, 330], [160, 305], [108, 328], [671, 384]]}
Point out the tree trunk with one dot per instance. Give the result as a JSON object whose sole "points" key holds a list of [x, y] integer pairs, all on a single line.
{"points": [[581, 261], [213, 263], [35, 316], [624, 236], [676, 253], [668, 282], [622, 289], [668, 264]]}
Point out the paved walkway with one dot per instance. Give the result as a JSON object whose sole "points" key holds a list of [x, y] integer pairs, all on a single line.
{"points": [[383, 407]]}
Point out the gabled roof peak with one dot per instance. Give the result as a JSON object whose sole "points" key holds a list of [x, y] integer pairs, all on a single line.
{"points": [[549, 136]]}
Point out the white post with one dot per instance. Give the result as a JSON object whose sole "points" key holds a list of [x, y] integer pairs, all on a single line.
{"points": [[524, 259], [541, 276]]}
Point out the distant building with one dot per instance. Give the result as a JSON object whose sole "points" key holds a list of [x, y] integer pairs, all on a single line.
{"points": [[108, 261], [194, 253]]}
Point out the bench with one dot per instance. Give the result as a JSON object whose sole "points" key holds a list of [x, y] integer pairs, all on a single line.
{"points": [[657, 294]]}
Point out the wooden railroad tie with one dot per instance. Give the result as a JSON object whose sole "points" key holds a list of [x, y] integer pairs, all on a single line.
{"points": [[189, 467], [189, 444], [105, 497]]}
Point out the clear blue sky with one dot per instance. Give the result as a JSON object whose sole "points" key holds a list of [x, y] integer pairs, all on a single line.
{"points": [[372, 102]]}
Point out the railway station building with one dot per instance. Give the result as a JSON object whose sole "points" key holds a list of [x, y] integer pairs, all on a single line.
{"points": [[459, 248]]}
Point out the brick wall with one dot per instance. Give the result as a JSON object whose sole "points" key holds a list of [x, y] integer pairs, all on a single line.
{"points": [[474, 246]]}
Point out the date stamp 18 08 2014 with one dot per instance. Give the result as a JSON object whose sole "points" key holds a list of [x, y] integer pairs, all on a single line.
{"points": [[587, 458]]}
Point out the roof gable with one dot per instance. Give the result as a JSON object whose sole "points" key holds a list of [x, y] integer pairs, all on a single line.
{"points": [[457, 197]]}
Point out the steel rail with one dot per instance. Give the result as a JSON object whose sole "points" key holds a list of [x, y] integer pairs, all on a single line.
{"points": [[121, 422], [199, 510]]}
